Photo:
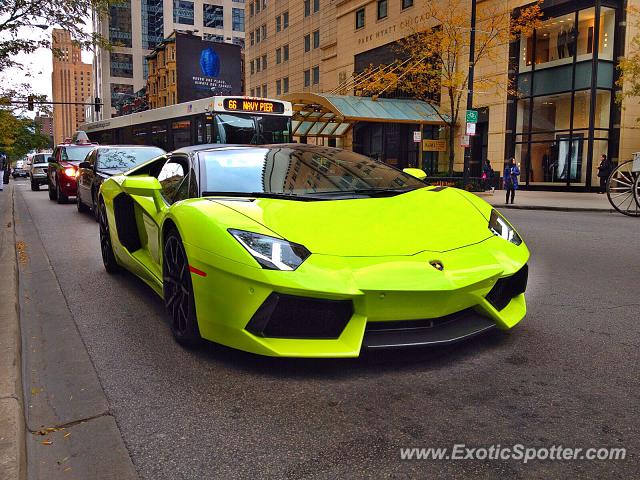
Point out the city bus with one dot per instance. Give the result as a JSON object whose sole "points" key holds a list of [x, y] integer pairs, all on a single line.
{"points": [[219, 119]]}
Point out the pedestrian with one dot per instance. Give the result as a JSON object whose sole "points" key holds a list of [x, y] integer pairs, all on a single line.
{"points": [[487, 176], [4, 175], [511, 174], [604, 170]]}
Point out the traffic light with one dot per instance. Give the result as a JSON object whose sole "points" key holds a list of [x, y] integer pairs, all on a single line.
{"points": [[97, 104], [30, 102]]}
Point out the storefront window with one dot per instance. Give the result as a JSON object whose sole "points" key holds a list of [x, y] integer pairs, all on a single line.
{"points": [[581, 108], [603, 109], [551, 112], [586, 25], [607, 32], [555, 42]]}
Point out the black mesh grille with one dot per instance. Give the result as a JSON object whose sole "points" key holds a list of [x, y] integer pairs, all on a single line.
{"points": [[507, 288], [288, 316]]}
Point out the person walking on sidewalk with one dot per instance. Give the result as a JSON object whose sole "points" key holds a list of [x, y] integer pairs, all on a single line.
{"points": [[3, 171], [604, 170], [511, 174], [487, 176]]}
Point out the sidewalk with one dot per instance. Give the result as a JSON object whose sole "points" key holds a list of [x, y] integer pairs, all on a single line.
{"points": [[12, 426], [561, 201]]}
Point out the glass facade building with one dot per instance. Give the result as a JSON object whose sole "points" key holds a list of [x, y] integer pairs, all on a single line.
{"points": [[152, 23], [563, 118]]}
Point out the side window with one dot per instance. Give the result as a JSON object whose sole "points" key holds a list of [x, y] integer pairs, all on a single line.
{"points": [[171, 177], [92, 158]]}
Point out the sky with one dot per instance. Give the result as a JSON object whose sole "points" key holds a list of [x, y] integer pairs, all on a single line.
{"points": [[37, 66]]}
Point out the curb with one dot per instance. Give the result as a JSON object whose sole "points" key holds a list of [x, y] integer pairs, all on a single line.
{"points": [[12, 424], [555, 209]]}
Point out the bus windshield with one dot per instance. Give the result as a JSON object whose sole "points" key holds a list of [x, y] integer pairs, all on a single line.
{"points": [[245, 129]]}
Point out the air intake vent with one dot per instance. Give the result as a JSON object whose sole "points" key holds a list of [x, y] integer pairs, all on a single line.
{"points": [[507, 288]]}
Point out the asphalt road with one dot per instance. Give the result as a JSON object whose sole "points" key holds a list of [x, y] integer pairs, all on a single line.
{"points": [[568, 375]]}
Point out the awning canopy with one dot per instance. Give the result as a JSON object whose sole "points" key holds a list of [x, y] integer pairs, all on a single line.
{"points": [[326, 115]]}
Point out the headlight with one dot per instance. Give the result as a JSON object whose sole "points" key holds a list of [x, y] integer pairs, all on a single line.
{"points": [[270, 252], [501, 228], [70, 172]]}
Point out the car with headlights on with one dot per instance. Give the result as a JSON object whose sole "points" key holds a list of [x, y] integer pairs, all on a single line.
{"points": [[63, 168], [103, 162], [308, 251]]}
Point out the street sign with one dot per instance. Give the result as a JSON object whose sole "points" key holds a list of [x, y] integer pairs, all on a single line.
{"points": [[465, 141], [472, 116], [417, 136], [434, 145], [471, 129]]}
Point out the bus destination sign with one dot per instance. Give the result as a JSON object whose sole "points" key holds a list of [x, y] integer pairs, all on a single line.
{"points": [[254, 106]]}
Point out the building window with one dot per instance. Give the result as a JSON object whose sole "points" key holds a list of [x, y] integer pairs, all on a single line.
{"points": [[252, 38], [285, 85], [264, 62], [307, 42], [307, 78], [251, 9], [316, 6], [212, 37], [316, 75], [213, 16], [257, 6], [382, 9], [253, 92], [285, 20], [407, 4], [237, 17], [278, 56], [264, 90], [258, 91], [121, 65], [252, 67], [264, 4], [316, 39], [278, 87], [278, 23], [307, 8], [120, 24], [257, 35], [183, 12], [285, 53], [264, 31], [360, 18], [258, 64]]}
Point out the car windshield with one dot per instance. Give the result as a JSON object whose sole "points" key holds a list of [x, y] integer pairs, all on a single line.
{"points": [[75, 154], [126, 158], [298, 171], [40, 158]]}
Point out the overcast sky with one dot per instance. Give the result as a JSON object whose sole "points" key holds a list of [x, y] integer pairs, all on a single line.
{"points": [[37, 66]]}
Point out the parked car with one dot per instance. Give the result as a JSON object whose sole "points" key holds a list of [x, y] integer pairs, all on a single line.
{"points": [[38, 169], [19, 171], [103, 162], [63, 167], [307, 251]]}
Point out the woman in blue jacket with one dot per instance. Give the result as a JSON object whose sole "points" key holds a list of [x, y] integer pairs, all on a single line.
{"points": [[511, 174]]}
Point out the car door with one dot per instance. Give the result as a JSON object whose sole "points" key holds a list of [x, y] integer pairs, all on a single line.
{"points": [[174, 180], [85, 177]]}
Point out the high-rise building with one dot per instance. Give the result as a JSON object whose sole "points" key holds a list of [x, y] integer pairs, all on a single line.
{"points": [[71, 81], [136, 27], [45, 123]]}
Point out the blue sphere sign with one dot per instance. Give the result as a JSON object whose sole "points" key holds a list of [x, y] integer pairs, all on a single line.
{"points": [[209, 62]]}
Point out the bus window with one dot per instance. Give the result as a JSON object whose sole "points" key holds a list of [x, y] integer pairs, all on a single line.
{"points": [[181, 133], [159, 136], [236, 129], [274, 129]]}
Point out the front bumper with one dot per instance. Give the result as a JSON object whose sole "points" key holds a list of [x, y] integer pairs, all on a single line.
{"points": [[396, 301]]}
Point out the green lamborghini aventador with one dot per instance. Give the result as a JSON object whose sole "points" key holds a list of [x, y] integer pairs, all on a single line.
{"points": [[307, 251]]}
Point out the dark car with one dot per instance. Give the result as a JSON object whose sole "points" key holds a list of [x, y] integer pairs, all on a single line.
{"points": [[19, 172], [105, 161], [63, 168]]}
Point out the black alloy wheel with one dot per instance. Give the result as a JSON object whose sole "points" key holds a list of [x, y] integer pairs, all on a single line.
{"points": [[178, 292], [106, 248], [82, 208]]}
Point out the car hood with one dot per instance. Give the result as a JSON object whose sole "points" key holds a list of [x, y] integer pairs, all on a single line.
{"points": [[109, 172], [428, 219]]}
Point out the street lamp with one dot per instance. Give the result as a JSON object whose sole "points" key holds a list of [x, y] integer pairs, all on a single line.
{"points": [[472, 53]]}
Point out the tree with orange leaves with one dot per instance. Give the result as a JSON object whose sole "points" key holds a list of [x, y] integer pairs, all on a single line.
{"points": [[433, 61]]}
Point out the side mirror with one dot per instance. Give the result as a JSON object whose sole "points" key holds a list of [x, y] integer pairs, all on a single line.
{"points": [[416, 173], [144, 186], [84, 165]]}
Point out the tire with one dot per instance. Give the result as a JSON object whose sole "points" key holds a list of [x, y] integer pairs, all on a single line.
{"points": [[106, 248], [52, 191], [178, 292], [60, 197], [82, 208], [34, 186]]}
